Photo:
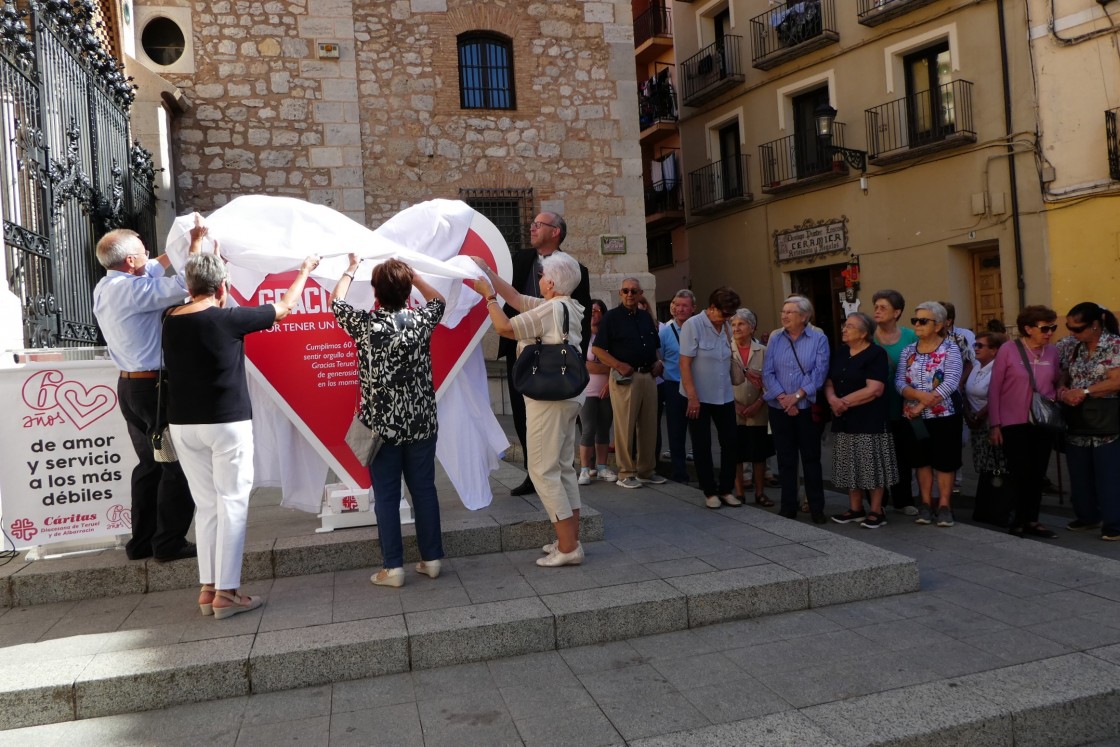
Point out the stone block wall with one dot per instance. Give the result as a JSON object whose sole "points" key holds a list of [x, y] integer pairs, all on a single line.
{"points": [[381, 127]]}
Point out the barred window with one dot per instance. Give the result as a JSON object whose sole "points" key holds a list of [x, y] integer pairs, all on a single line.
{"points": [[510, 210], [659, 251], [486, 71]]}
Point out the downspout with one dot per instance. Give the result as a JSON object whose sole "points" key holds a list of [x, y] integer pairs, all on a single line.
{"points": [[1015, 227]]}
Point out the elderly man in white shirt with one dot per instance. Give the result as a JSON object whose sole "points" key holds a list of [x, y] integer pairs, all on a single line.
{"points": [[128, 304]]}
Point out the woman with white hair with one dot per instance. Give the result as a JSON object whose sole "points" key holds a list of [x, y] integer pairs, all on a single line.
{"points": [[752, 435], [928, 375], [550, 425], [212, 420], [794, 370]]}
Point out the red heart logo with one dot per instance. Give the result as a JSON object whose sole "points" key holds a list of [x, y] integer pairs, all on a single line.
{"points": [[85, 406], [310, 364]]}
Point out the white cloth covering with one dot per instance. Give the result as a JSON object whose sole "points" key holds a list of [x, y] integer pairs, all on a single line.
{"points": [[260, 235]]}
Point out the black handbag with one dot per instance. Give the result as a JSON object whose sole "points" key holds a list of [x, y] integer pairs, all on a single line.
{"points": [[163, 448], [551, 372], [1095, 416], [1044, 412]]}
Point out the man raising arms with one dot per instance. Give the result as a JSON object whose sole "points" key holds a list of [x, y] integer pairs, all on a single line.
{"points": [[128, 304]]}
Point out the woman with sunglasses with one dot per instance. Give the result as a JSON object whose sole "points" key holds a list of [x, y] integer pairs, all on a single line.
{"points": [[1093, 374], [987, 459], [929, 372], [1026, 446]]}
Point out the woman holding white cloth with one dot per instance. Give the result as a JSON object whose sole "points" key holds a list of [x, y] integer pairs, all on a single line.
{"points": [[212, 422], [550, 425]]}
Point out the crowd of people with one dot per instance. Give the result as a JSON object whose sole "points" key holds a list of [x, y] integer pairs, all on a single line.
{"points": [[899, 399], [903, 400]]}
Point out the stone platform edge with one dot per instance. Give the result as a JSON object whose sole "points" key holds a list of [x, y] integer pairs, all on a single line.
{"points": [[113, 682], [109, 573], [1065, 700]]}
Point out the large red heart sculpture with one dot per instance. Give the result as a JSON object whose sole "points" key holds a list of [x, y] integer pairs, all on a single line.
{"points": [[310, 367]]}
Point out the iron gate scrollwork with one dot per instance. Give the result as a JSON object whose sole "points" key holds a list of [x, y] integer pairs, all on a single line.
{"points": [[69, 171]]}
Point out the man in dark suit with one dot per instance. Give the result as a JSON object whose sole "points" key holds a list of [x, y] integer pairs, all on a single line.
{"points": [[546, 233]]}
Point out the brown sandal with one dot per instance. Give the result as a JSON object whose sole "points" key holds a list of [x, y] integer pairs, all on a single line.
{"points": [[762, 500]]}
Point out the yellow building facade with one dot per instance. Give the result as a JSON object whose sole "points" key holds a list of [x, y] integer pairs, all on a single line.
{"points": [[929, 182], [1077, 73]]}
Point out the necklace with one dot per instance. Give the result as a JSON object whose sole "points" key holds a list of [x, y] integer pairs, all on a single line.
{"points": [[1036, 358], [888, 339]]}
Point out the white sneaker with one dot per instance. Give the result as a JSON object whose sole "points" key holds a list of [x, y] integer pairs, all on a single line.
{"points": [[584, 478], [608, 474]]}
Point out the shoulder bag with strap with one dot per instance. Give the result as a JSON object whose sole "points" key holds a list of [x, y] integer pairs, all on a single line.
{"points": [[163, 450], [1044, 412], [820, 413], [362, 439], [551, 372]]}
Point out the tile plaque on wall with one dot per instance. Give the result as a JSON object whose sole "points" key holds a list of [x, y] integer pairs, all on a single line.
{"points": [[612, 244], [811, 239]]}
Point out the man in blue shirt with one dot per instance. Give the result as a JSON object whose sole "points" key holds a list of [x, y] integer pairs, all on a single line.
{"points": [[129, 303], [682, 307]]}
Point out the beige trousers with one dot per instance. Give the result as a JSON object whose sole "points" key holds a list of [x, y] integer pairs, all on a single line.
{"points": [[635, 413], [550, 445]]}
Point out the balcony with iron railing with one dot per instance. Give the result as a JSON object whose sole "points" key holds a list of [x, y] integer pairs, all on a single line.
{"points": [[791, 30], [657, 106], [800, 159], [874, 12], [925, 122], [653, 33], [664, 204], [720, 185], [711, 71], [1110, 132]]}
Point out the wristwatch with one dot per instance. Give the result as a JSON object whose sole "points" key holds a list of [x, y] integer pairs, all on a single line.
{"points": [[1085, 391], [797, 396]]}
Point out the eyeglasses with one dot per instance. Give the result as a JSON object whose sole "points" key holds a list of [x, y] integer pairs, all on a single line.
{"points": [[918, 321], [537, 225], [1046, 328], [979, 345], [629, 291], [1075, 330]]}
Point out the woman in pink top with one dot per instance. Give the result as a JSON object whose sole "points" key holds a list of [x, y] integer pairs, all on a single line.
{"points": [[1026, 447]]}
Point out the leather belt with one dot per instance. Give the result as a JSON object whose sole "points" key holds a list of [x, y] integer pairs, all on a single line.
{"points": [[139, 374], [643, 369]]}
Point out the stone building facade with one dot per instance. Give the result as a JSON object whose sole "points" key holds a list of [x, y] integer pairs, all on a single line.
{"points": [[358, 105]]}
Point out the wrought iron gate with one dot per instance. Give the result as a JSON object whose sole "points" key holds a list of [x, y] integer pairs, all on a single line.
{"points": [[68, 171]]}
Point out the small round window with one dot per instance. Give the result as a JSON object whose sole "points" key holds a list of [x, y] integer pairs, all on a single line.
{"points": [[163, 41]]}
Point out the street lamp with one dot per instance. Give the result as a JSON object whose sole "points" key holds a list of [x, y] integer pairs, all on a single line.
{"points": [[826, 116]]}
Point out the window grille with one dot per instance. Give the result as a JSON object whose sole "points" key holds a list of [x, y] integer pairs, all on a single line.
{"points": [[486, 72], [510, 210], [659, 251]]}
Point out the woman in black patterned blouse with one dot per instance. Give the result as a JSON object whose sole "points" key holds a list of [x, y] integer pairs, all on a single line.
{"points": [[399, 403]]}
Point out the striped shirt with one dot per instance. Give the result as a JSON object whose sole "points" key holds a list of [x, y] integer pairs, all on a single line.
{"points": [[785, 371]]}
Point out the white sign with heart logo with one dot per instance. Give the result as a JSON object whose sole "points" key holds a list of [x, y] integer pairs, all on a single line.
{"points": [[67, 458]]}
